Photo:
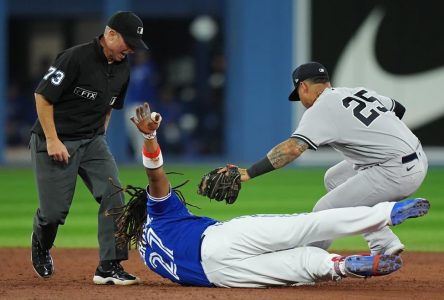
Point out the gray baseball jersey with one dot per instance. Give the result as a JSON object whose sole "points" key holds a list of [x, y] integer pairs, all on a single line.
{"points": [[376, 144], [359, 123]]}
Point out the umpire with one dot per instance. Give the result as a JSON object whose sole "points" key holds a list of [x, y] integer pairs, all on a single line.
{"points": [[74, 101]]}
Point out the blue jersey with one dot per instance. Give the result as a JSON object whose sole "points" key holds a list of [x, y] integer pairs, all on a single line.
{"points": [[171, 241]]}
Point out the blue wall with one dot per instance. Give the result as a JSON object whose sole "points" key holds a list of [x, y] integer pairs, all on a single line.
{"points": [[259, 54], [3, 71]]}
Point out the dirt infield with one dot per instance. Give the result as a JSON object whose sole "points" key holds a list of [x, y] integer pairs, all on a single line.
{"points": [[422, 277]]}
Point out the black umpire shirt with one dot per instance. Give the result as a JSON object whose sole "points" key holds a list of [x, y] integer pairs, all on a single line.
{"points": [[83, 87]]}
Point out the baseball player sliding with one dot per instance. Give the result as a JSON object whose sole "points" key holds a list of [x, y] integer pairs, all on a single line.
{"points": [[249, 251], [383, 159]]}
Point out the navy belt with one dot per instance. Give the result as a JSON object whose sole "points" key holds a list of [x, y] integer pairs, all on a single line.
{"points": [[409, 158]]}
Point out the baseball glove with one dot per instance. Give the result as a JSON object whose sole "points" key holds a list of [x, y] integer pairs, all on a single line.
{"points": [[221, 186]]}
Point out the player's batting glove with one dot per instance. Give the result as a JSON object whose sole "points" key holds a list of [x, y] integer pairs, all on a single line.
{"points": [[221, 184]]}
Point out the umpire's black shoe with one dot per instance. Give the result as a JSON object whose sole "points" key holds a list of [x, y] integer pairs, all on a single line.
{"points": [[41, 259], [111, 272]]}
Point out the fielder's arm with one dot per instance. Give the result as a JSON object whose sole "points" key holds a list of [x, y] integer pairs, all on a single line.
{"points": [[45, 112], [392, 105], [398, 109], [278, 157]]}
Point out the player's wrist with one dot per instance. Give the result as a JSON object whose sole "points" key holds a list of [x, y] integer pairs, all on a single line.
{"points": [[152, 160], [261, 167], [149, 136], [51, 138], [244, 174]]}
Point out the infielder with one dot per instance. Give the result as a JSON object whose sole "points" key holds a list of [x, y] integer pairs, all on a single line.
{"points": [[383, 159], [74, 101], [249, 251]]}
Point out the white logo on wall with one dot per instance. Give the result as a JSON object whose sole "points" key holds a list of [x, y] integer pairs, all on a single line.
{"points": [[113, 99], [140, 30], [358, 66]]}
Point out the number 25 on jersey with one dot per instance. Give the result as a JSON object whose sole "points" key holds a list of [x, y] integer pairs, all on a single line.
{"points": [[364, 102]]}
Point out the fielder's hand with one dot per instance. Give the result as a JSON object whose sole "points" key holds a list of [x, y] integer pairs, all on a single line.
{"points": [[221, 184], [243, 172], [146, 121]]}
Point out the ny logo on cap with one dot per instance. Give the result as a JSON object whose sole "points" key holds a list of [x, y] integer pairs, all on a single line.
{"points": [[140, 30], [321, 70]]}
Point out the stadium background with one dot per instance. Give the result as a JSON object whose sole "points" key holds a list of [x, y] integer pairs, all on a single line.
{"points": [[228, 63]]}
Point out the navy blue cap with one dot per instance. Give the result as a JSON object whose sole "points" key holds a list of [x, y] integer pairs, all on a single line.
{"points": [[306, 71], [129, 25]]}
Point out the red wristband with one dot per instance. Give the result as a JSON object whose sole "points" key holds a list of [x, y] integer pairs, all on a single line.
{"points": [[151, 154]]}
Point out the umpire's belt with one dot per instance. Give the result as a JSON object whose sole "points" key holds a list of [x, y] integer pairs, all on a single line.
{"points": [[409, 158]]}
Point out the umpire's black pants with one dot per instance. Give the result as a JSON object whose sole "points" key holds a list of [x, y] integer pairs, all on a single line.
{"points": [[56, 182]]}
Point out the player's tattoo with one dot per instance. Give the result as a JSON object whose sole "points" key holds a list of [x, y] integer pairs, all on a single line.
{"points": [[286, 152], [300, 145]]}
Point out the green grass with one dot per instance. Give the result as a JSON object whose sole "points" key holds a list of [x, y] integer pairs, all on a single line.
{"points": [[285, 191]]}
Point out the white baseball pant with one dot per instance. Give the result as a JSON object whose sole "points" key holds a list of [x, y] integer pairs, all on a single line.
{"points": [[266, 250]]}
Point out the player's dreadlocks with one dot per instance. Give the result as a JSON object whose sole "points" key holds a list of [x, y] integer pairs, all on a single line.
{"points": [[132, 215]]}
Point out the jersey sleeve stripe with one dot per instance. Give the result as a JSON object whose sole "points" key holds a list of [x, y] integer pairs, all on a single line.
{"points": [[307, 140], [161, 198], [393, 105]]}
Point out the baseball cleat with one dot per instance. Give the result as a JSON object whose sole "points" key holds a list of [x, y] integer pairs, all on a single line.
{"points": [[113, 273], [363, 266], [410, 208], [393, 248], [41, 259]]}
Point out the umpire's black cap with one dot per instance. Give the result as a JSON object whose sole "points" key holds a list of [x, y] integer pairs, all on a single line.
{"points": [[307, 71], [130, 26]]}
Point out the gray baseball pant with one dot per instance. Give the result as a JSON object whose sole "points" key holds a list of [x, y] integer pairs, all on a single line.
{"points": [[389, 181], [56, 182]]}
